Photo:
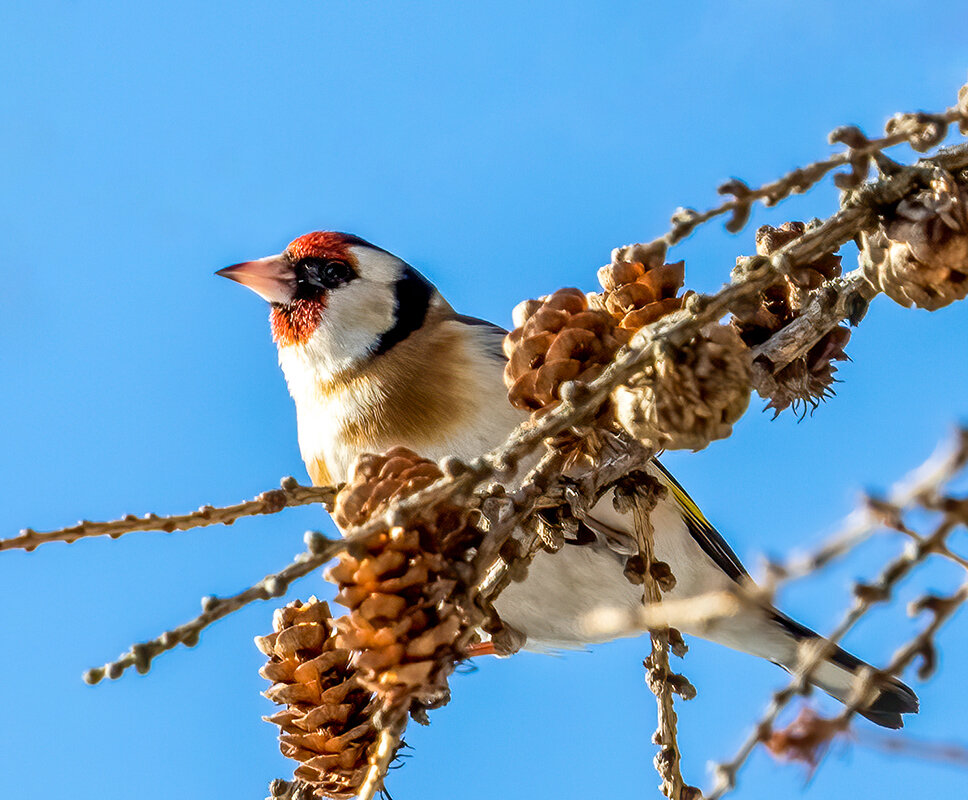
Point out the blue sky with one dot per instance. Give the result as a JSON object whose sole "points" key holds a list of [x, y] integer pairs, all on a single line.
{"points": [[504, 149]]}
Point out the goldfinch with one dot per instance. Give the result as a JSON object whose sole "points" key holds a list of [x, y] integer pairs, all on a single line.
{"points": [[375, 357]]}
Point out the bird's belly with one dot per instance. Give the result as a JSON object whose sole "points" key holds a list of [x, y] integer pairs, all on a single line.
{"points": [[580, 594], [551, 606]]}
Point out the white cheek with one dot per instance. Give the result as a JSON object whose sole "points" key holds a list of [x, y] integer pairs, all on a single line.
{"points": [[355, 317], [378, 266]]}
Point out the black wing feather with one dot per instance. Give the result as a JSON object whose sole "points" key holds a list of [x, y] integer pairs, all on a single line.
{"points": [[704, 534]]}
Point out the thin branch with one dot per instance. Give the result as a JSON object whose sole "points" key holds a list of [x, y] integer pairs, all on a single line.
{"points": [[290, 493], [386, 748], [941, 608], [641, 497], [798, 181], [807, 737], [919, 486], [943, 752], [690, 612], [141, 655], [923, 489]]}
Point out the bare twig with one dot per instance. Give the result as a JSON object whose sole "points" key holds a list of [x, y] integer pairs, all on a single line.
{"points": [[941, 609], [690, 612], [386, 747], [922, 484], [685, 221], [944, 752], [640, 494], [141, 655], [290, 493], [806, 739], [924, 489]]}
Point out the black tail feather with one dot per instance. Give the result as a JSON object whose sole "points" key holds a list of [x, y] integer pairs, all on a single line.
{"points": [[894, 699]]}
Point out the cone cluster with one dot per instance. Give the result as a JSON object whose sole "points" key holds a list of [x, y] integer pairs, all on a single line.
{"points": [[637, 293], [406, 589], [807, 380], [803, 276], [919, 255], [327, 723], [685, 400], [558, 338]]}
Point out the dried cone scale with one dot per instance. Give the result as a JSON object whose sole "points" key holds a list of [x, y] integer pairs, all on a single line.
{"points": [[327, 722], [781, 303], [803, 276], [406, 589], [806, 380], [920, 255], [558, 338], [809, 379], [685, 399], [688, 398], [640, 287]]}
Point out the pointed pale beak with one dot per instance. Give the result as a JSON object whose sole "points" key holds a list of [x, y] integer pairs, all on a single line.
{"points": [[272, 278]]}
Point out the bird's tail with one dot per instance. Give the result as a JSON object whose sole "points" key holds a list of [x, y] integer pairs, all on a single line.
{"points": [[836, 676]]}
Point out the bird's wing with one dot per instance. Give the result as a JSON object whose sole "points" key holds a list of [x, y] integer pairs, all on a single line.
{"points": [[615, 530], [491, 335], [702, 532], [623, 541]]}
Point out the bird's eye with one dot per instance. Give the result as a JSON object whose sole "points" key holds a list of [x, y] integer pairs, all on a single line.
{"points": [[335, 273], [324, 273]]}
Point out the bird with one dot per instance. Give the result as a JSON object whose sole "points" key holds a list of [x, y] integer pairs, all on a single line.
{"points": [[375, 357]]}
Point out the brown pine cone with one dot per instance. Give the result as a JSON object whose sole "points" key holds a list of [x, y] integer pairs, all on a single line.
{"points": [[687, 399], [781, 303], [963, 107], [806, 380], [327, 722], [639, 292], [805, 276], [406, 589], [557, 339], [919, 256], [773, 308]]}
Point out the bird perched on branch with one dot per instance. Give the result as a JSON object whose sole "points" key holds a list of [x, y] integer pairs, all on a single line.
{"points": [[375, 357]]}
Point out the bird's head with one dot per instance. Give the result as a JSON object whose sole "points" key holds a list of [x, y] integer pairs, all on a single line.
{"points": [[337, 296]]}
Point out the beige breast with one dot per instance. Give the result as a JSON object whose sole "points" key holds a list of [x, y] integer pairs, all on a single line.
{"points": [[438, 392]]}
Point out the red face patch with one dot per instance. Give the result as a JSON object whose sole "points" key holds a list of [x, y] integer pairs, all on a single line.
{"points": [[296, 322], [324, 244]]}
